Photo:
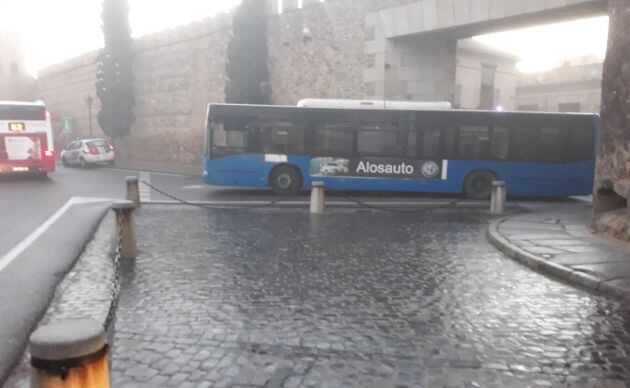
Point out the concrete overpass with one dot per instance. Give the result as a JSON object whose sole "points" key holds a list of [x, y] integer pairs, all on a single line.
{"points": [[411, 47]]}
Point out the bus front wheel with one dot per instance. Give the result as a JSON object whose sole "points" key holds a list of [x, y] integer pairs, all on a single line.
{"points": [[285, 180], [478, 184]]}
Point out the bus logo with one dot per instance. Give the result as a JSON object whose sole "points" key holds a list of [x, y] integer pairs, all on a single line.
{"points": [[430, 169]]}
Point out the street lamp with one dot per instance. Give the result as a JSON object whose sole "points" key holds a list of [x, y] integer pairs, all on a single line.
{"points": [[89, 101]]}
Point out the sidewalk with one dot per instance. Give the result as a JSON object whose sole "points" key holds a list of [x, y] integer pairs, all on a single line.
{"points": [[560, 244]]}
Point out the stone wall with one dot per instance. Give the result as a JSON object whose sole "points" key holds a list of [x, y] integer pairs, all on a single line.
{"points": [[63, 88], [612, 186], [177, 73], [334, 49]]}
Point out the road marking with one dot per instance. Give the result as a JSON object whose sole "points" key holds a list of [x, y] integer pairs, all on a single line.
{"points": [[195, 187], [28, 241], [145, 191]]}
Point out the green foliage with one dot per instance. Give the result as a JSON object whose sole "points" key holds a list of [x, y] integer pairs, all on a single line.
{"points": [[114, 76], [246, 65]]}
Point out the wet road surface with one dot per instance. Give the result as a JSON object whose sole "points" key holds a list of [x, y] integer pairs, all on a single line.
{"points": [[366, 299]]}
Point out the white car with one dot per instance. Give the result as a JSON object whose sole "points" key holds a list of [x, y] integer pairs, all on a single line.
{"points": [[88, 152]]}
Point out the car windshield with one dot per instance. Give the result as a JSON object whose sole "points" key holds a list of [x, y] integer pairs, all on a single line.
{"points": [[98, 143]]}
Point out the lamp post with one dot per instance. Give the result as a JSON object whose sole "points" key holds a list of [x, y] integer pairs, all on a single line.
{"points": [[89, 101]]}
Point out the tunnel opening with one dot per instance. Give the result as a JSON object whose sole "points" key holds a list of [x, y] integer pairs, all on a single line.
{"points": [[561, 72]]}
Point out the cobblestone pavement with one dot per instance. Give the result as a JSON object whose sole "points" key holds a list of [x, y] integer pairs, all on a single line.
{"points": [[558, 241], [277, 298]]}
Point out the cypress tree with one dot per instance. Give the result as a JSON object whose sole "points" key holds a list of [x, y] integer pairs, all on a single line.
{"points": [[114, 77], [246, 65]]}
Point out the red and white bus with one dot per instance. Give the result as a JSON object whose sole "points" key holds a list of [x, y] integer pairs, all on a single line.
{"points": [[26, 139]]}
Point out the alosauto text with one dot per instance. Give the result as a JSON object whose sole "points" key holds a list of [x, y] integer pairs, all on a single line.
{"points": [[383, 168]]}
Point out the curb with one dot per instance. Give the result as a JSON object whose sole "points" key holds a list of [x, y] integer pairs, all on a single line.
{"points": [[558, 271]]}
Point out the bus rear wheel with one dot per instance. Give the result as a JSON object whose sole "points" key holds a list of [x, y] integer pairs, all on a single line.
{"points": [[285, 180], [478, 184]]}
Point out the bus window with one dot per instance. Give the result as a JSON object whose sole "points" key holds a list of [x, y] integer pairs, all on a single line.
{"points": [[474, 142], [500, 143], [227, 135], [412, 144], [523, 144], [580, 144], [430, 146], [378, 143], [284, 137], [334, 141], [550, 145]]}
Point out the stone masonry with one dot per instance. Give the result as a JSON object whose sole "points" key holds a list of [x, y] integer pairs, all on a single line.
{"points": [[394, 49], [612, 186]]}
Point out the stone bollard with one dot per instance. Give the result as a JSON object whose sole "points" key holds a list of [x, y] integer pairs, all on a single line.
{"points": [[497, 202], [68, 354], [123, 213], [318, 198], [133, 192]]}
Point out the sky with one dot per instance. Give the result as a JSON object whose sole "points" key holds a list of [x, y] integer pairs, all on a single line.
{"points": [[544, 47], [55, 30]]}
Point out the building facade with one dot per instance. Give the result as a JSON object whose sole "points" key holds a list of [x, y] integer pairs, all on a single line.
{"points": [[574, 86], [485, 78]]}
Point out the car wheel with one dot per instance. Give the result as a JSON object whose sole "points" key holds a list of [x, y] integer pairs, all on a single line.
{"points": [[286, 180], [111, 162], [83, 163], [478, 184], [64, 161]]}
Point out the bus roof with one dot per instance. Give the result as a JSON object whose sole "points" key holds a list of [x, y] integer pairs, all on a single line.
{"points": [[24, 103], [246, 110], [372, 104]]}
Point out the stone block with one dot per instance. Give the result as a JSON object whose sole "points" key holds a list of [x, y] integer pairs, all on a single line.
{"points": [[401, 25], [421, 87], [388, 21], [550, 4], [445, 13], [498, 9], [373, 19], [479, 10], [373, 75], [415, 17], [432, 73], [461, 12], [429, 14], [535, 5], [374, 46]]}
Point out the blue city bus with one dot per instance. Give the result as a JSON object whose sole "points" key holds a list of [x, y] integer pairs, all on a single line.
{"points": [[286, 148]]}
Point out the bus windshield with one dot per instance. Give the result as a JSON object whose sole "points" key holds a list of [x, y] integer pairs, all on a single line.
{"points": [[22, 112]]}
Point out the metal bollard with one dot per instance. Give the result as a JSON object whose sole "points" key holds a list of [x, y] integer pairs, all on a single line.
{"points": [[133, 192], [123, 213], [68, 354], [497, 202], [318, 198]]}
